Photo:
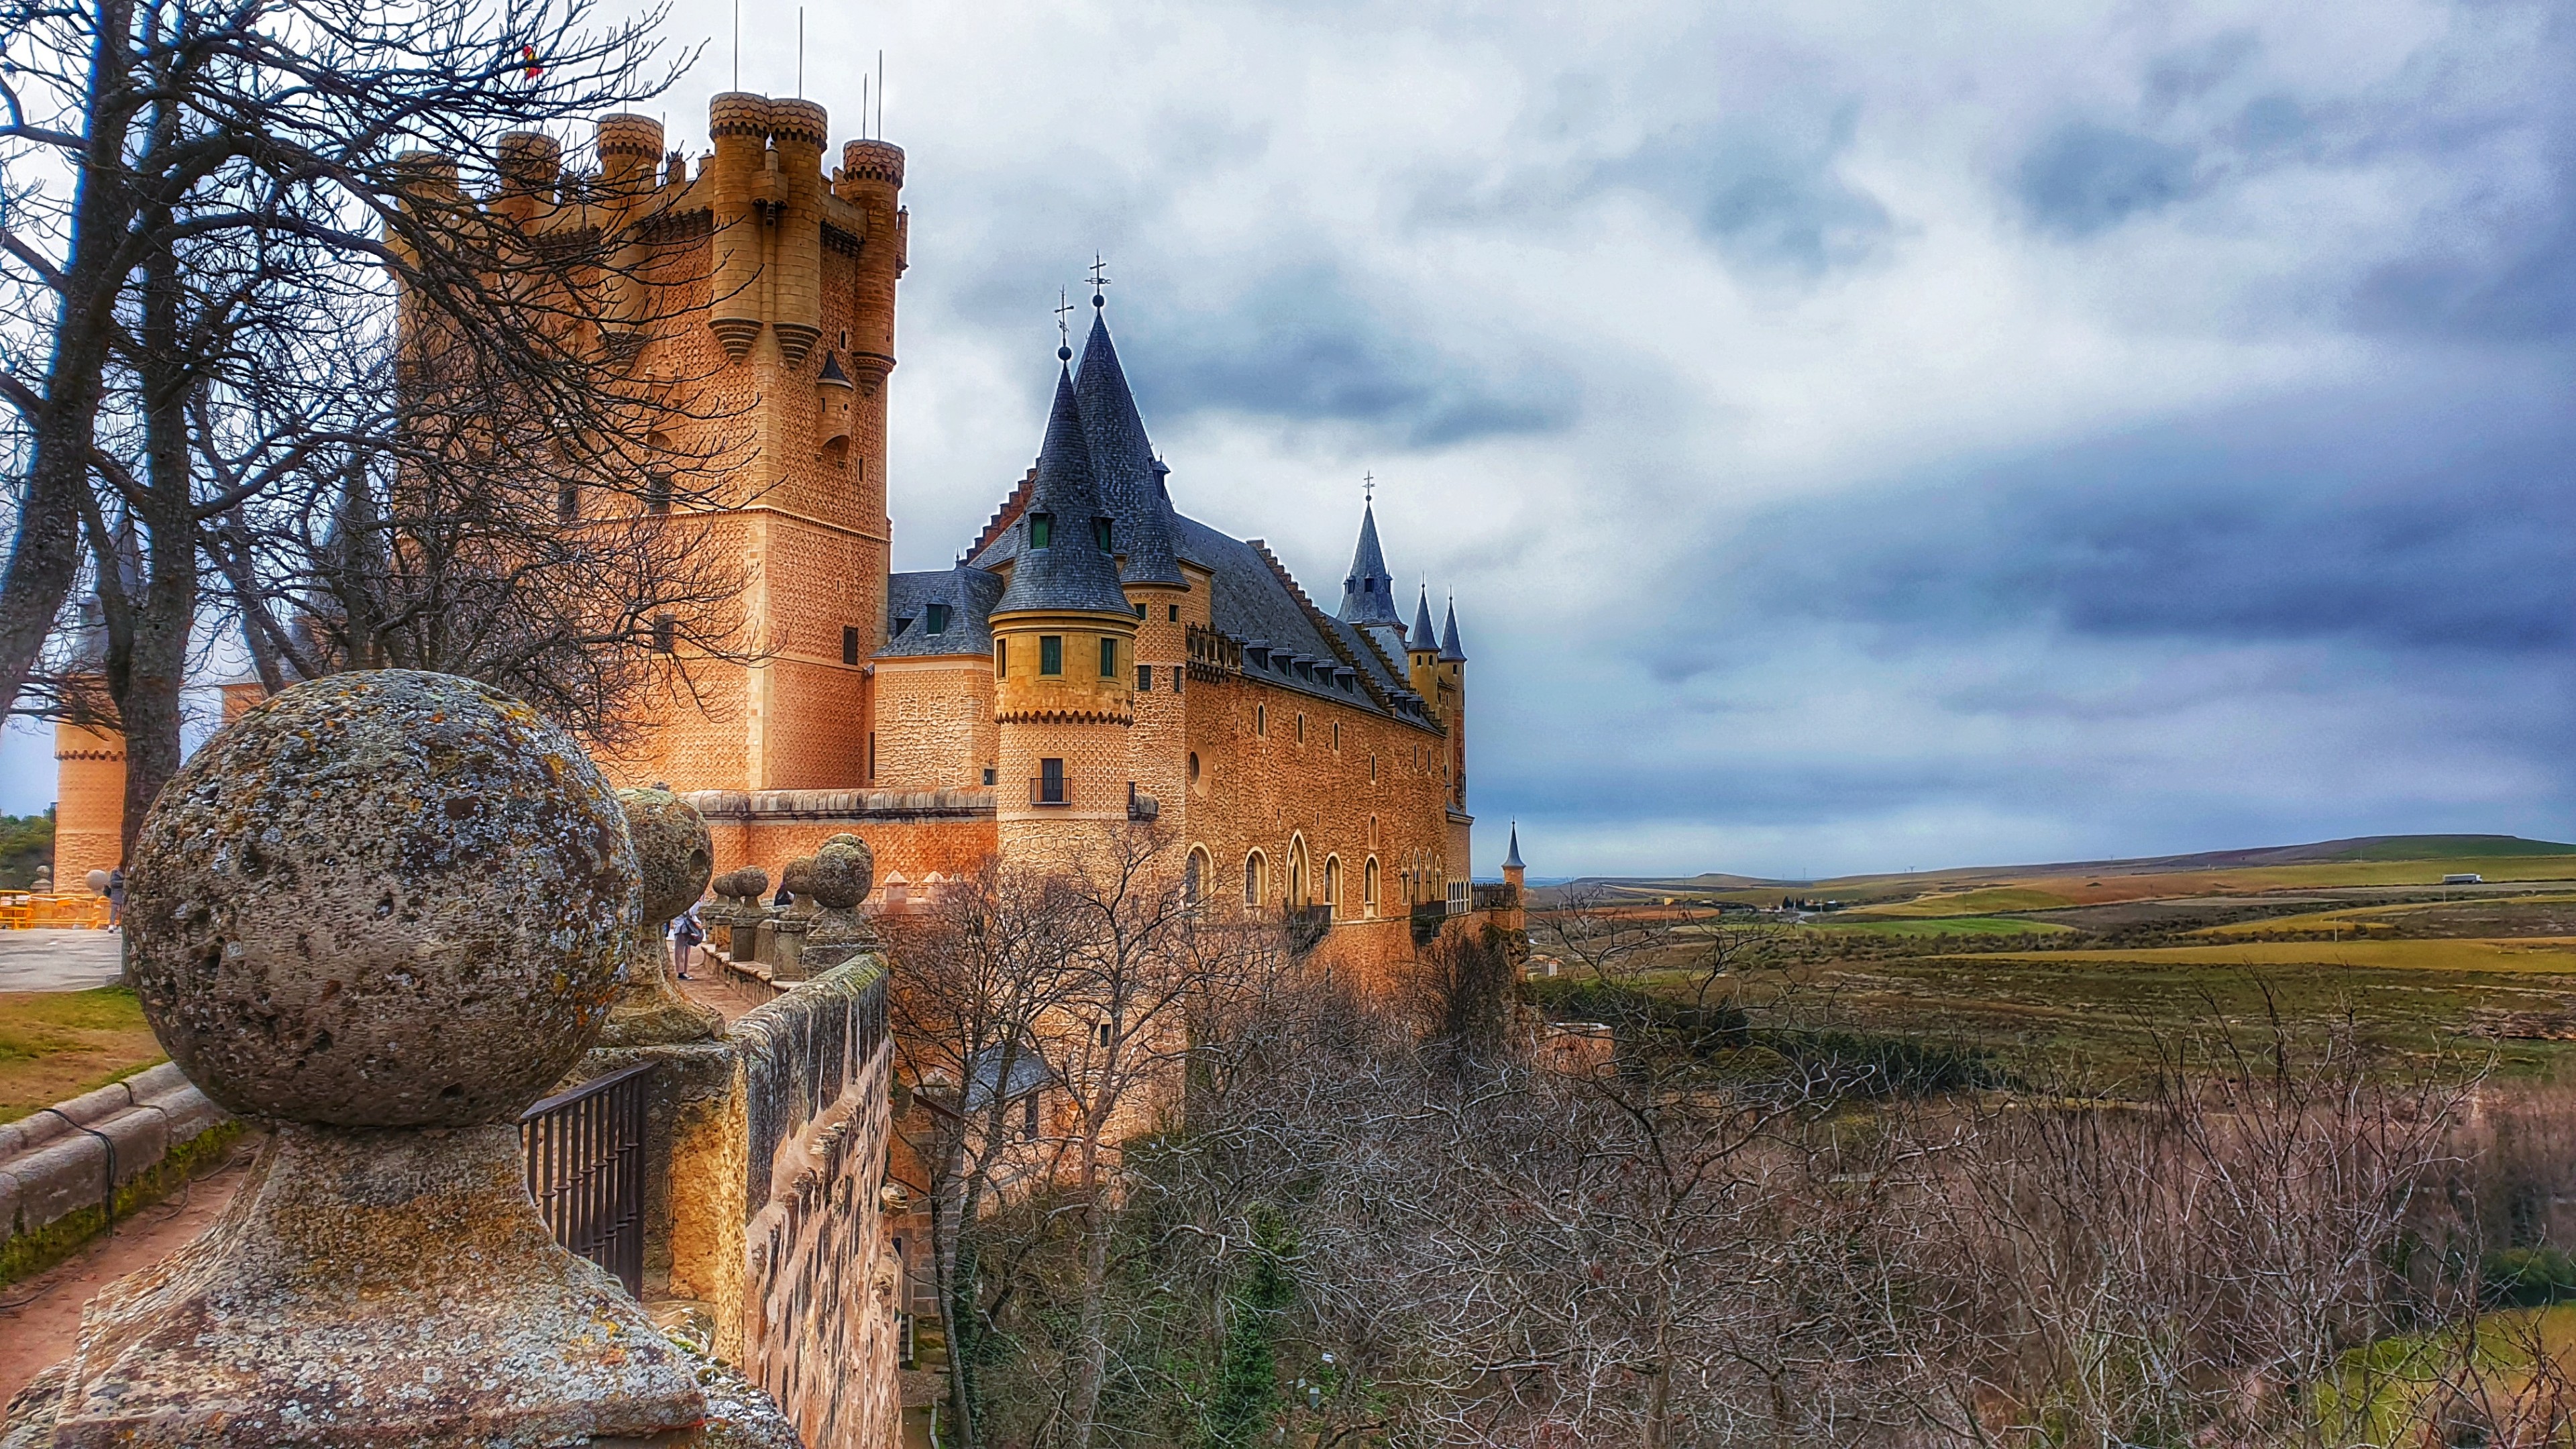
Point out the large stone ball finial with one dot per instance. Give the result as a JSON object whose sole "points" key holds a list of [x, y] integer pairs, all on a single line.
{"points": [[841, 873], [677, 853], [386, 911], [385, 899], [674, 849]]}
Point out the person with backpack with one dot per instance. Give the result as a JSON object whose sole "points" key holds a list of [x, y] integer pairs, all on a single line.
{"points": [[686, 933]]}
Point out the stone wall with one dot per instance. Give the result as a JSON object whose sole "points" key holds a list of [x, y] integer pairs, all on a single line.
{"points": [[58, 1166], [820, 1326], [765, 1150]]}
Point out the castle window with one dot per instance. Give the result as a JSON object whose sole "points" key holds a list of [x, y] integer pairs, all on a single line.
{"points": [[1050, 783], [1301, 727], [666, 633], [1194, 874], [1144, 678], [1001, 664], [937, 614], [568, 502], [1177, 671], [1109, 658], [1050, 654], [872, 756], [845, 341], [1332, 880], [1337, 734], [1255, 890], [1368, 886], [1261, 719], [1029, 1118], [1140, 611], [1041, 530], [1100, 533], [1176, 612], [1194, 767], [849, 645], [657, 492], [989, 773], [1372, 769]]}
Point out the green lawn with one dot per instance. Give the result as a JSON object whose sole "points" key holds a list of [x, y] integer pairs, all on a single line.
{"points": [[59, 1044], [1935, 927]]}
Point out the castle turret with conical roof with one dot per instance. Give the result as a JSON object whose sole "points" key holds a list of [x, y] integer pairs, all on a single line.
{"points": [[1064, 643], [1368, 592]]}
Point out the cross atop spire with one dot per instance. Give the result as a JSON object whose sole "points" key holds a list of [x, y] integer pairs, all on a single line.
{"points": [[1063, 328], [1099, 279], [1368, 488]]}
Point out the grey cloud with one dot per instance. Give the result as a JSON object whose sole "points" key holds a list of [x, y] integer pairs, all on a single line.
{"points": [[2086, 177], [1768, 197], [2321, 524]]}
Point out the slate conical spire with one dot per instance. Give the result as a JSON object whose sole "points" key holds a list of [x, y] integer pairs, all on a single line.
{"points": [[1512, 857], [1450, 653], [1422, 639], [1123, 461], [1061, 562], [1368, 595]]}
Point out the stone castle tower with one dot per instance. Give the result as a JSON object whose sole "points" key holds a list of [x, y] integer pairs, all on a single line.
{"points": [[762, 291]]}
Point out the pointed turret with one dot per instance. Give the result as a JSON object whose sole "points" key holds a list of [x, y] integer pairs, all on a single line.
{"points": [[1368, 595], [1422, 640], [1450, 653], [1123, 462], [1512, 857], [1063, 562]]}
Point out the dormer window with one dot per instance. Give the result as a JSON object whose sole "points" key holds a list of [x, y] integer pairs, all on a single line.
{"points": [[1100, 533], [1041, 530], [936, 619]]}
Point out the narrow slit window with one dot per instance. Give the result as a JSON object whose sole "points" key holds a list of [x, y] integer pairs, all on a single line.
{"points": [[849, 645], [1109, 659], [1100, 534], [1001, 663], [1144, 678]]}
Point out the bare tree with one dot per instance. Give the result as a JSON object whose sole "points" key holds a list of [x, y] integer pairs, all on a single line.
{"points": [[237, 232]]}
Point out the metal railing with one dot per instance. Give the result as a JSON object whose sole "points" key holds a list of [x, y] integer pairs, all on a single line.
{"points": [[585, 1165], [1496, 897], [1058, 791]]}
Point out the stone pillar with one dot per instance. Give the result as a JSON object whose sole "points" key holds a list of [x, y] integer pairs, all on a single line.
{"points": [[838, 876], [672, 848], [420, 892]]}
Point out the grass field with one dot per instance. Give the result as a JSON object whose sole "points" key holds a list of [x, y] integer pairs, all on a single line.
{"points": [[58, 1044], [2548, 954], [1942, 926]]}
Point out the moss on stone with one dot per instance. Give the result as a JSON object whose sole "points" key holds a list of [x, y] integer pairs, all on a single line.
{"points": [[28, 1254]]}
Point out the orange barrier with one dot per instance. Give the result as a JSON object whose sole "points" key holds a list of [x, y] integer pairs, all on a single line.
{"points": [[20, 911]]}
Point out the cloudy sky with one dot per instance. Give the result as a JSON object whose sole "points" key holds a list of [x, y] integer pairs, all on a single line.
{"points": [[1858, 436]]}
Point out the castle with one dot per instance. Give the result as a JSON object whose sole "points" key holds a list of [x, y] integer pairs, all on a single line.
{"points": [[1094, 656]]}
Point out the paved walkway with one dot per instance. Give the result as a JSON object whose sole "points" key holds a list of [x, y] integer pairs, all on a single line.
{"points": [[52, 960], [40, 1317]]}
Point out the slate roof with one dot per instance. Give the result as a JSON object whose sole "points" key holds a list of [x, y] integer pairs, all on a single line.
{"points": [[1450, 653], [1512, 857], [1073, 572], [969, 593], [1368, 594], [1122, 460], [1421, 637], [1288, 641]]}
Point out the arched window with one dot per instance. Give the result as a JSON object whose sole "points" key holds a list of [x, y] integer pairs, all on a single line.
{"points": [[1333, 881], [1254, 887], [1368, 886], [1298, 883], [1195, 873]]}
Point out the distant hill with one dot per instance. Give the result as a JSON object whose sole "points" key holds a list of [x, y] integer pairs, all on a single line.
{"points": [[2361, 848]]}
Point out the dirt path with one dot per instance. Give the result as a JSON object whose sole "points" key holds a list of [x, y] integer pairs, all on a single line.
{"points": [[40, 1317]]}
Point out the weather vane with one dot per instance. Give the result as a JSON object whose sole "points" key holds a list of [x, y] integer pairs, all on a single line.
{"points": [[1063, 329], [1099, 278]]}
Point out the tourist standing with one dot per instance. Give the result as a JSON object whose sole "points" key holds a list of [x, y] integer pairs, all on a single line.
{"points": [[686, 933]]}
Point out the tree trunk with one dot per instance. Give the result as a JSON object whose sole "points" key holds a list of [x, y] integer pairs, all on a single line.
{"points": [[44, 558], [154, 655], [1091, 1316]]}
